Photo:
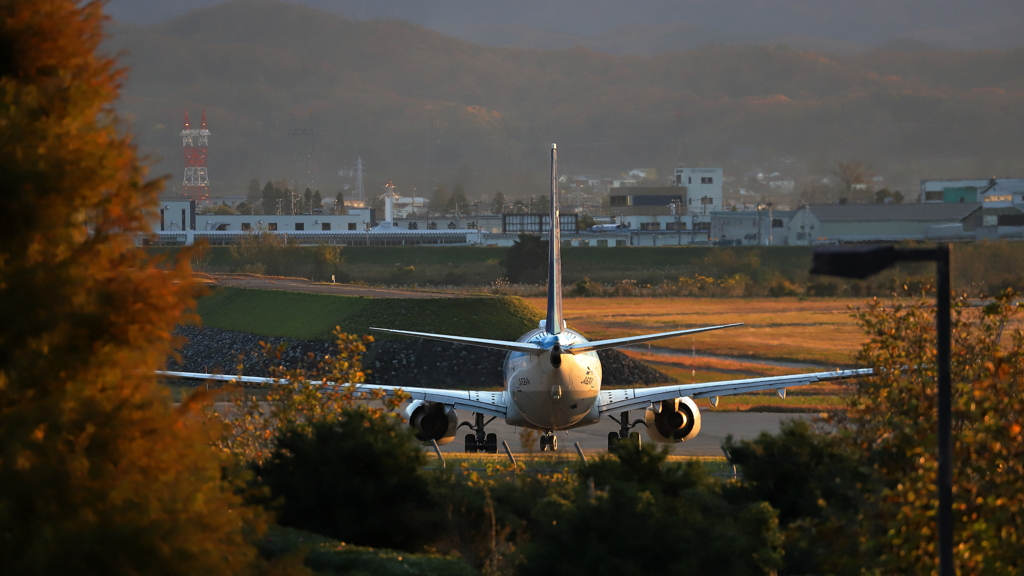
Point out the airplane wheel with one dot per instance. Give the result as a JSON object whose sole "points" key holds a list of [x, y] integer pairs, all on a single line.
{"points": [[553, 442], [613, 441], [543, 443], [634, 440], [492, 443], [470, 444]]}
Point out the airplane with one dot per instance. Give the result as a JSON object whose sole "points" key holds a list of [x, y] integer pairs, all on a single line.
{"points": [[553, 381]]}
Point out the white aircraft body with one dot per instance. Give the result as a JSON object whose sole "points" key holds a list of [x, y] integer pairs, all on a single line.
{"points": [[553, 381]]}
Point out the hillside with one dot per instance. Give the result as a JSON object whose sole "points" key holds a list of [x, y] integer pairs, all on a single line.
{"points": [[565, 23], [420, 107]]}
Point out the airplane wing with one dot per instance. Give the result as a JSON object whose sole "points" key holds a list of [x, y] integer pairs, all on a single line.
{"points": [[641, 398], [484, 402]]}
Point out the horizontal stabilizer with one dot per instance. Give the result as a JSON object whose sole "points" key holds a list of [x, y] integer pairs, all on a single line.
{"points": [[616, 342], [526, 347]]}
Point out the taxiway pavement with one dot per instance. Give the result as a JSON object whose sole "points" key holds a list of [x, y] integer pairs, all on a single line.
{"points": [[715, 426]]}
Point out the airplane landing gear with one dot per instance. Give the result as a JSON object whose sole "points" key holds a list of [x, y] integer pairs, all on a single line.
{"points": [[616, 439], [480, 441], [549, 442]]}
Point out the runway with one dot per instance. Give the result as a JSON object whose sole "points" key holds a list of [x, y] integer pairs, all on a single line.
{"points": [[715, 426]]}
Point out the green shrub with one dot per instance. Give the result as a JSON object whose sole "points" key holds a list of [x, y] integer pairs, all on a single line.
{"points": [[329, 556], [356, 479], [526, 261], [814, 480], [586, 287], [633, 513], [327, 262]]}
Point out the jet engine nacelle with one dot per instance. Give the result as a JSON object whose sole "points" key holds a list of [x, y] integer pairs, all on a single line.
{"points": [[432, 421], [673, 421]]}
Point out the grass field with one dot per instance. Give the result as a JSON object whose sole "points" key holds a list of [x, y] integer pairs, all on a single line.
{"points": [[314, 316]]}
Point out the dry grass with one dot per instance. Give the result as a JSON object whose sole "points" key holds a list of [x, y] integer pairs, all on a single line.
{"points": [[819, 331]]}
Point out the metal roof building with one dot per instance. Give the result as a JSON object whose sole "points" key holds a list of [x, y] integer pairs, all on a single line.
{"points": [[827, 223]]}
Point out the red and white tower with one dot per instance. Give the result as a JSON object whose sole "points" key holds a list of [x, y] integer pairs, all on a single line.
{"points": [[196, 143]]}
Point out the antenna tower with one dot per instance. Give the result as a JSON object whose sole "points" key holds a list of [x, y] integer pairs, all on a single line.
{"points": [[360, 194], [577, 197], [306, 140], [195, 142], [428, 162]]}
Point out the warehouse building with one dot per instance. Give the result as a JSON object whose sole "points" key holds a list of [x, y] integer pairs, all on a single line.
{"points": [[839, 223]]}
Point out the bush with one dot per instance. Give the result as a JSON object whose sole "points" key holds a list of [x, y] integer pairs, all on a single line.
{"points": [[356, 478], [262, 250], [633, 513], [327, 262], [815, 482], [783, 287], [586, 287], [526, 261], [328, 556]]}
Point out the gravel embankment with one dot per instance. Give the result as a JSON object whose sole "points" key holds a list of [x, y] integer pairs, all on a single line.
{"points": [[401, 363]]}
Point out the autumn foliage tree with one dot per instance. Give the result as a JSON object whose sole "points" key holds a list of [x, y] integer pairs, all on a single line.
{"points": [[862, 498], [892, 423], [100, 474]]}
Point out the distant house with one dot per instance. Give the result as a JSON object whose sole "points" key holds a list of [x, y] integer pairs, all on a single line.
{"points": [[588, 181], [780, 183], [993, 192], [643, 173]]}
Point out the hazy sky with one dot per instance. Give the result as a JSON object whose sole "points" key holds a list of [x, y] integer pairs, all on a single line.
{"points": [[867, 23]]}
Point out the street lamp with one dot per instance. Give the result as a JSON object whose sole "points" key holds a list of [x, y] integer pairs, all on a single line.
{"points": [[864, 261]]}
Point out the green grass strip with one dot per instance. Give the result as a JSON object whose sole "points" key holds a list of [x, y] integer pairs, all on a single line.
{"points": [[314, 316]]}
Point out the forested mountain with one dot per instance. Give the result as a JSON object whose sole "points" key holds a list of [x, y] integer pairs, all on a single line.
{"points": [[638, 26], [419, 106]]}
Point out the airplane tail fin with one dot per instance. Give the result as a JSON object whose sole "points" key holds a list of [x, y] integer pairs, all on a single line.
{"points": [[554, 316]]}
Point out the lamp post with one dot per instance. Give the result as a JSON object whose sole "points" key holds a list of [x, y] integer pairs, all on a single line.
{"points": [[864, 261], [676, 207]]}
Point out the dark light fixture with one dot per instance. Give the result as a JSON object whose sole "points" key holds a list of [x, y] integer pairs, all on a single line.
{"points": [[864, 261]]}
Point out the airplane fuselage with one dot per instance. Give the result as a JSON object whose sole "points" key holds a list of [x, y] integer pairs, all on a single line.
{"points": [[552, 390]]}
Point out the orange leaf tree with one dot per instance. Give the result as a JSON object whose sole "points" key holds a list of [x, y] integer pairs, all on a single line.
{"points": [[99, 473], [892, 421]]}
